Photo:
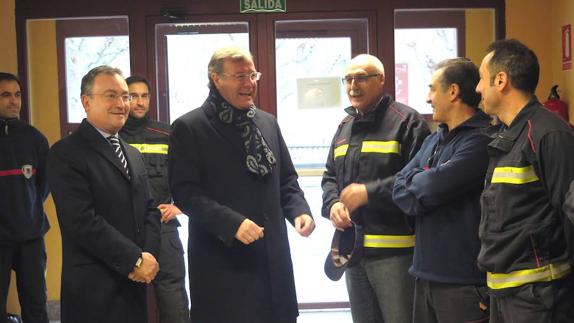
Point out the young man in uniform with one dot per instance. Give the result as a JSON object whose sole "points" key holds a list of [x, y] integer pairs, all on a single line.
{"points": [[151, 138], [23, 190], [523, 230]]}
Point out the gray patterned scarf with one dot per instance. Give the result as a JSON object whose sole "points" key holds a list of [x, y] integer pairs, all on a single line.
{"points": [[260, 159]]}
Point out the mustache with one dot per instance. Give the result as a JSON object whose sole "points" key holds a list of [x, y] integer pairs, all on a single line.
{"points": [[354, 92]]}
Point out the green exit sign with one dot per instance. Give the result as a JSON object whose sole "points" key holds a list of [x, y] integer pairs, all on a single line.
{"points": [[251, 6]]}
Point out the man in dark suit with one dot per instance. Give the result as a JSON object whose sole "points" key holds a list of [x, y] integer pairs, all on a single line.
{"points": [[230, 171], [110, 229]]}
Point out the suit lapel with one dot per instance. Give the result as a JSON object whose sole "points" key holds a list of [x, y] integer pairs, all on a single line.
{"points": [[101, 146]]}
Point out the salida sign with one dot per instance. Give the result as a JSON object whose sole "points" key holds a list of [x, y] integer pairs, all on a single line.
{"points": [[251, 6]]}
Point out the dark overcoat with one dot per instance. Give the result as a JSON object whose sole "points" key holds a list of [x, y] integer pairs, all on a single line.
{"points": [[230, 281], [107, 220]]}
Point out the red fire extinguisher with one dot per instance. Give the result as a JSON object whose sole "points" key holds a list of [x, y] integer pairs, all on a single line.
{"points": [[556, 105]]}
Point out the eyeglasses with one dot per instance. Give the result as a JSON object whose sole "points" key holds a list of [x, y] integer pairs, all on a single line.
{"points": [[357, 78], [113, 97], [253, 76]]}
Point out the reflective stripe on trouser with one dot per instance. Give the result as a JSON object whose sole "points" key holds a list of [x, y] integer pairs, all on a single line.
{"points": [[514, 175], [152, 148], [525, 276], [371, 146], [388, 241]]}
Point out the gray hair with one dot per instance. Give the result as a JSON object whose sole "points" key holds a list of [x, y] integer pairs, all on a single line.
{"points": [[234, 53], [88, 79]]}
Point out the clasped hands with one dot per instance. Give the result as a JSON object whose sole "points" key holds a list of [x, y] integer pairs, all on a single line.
{"points": [[147, 270], [351, 198]]}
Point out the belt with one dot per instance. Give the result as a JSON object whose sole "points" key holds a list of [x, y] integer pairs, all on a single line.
{"points": [[388, 241], [521, 277]]}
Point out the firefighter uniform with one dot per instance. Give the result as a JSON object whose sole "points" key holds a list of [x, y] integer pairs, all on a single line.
{"points": [[370, 149], [523, 232], [151, 138], [23, 223]]}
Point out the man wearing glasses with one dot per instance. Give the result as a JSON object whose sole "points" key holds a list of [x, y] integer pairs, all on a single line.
{"points": [[151, 138], [373, 143], [110, 228], [231, 172]]}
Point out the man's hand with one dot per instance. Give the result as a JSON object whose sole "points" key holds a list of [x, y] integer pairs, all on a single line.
{"points": [[354, 196], [248, 232], [147, 270], [168, 212], [340, 216], [304, 225]]}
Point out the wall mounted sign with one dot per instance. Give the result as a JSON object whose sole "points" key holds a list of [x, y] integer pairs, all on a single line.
{"points": [[566, 47], [258, 6]]}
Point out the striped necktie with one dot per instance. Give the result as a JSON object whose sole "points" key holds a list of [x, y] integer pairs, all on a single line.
{"points": [[115, 141]]}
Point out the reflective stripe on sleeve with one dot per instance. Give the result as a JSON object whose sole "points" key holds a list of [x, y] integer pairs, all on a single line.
{"points": [[152, 148], [340, 151], [514, 175], [388, 241]]}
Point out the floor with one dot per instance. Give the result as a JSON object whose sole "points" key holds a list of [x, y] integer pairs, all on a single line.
{"points": [[325, 316], [317, 316]]}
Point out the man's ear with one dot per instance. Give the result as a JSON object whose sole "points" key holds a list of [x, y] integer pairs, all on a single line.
{"points": [[453, 92], [86, 102], [501, 81], [216, 79]]}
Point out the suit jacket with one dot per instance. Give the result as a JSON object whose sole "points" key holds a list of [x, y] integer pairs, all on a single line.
{"points": [[106, 219], [210, 182]]}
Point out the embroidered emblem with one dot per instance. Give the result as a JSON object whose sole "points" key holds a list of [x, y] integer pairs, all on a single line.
{"points": [[27, 171]]}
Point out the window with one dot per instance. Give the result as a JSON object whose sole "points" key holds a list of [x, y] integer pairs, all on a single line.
{"points": [[83, 44]]}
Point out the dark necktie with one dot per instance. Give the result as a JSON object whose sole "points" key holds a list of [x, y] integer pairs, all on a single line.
{"points": [[118, 150]]}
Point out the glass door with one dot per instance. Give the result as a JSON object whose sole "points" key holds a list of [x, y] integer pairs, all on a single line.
{"points": [[183, 52], [310, 59], [302, 61]]}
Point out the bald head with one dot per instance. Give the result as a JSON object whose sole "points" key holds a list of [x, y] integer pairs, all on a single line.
{"points": [[364, 79], [369, 62]]}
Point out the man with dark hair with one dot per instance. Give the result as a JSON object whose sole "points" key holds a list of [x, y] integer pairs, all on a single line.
{"points": [[375, 141], [151, 138], [231, 172], [110, 227], [524, 233], [23, 190], [441, 187]]}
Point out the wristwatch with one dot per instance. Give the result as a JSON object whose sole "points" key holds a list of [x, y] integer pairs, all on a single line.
{"points": [[139, 262]]}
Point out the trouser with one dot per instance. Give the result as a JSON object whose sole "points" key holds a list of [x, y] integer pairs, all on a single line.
{"points": [[544, 302], [450, 303], [28, 260], [169, 285], [381, 290]]}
